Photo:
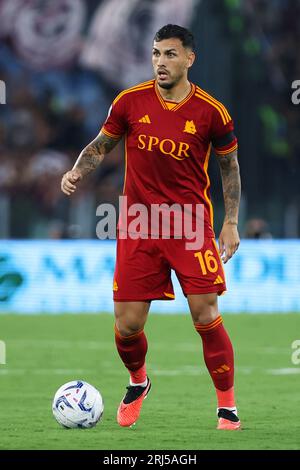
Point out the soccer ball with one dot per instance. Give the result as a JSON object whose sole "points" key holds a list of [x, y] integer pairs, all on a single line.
{"points": [[77, 404]]}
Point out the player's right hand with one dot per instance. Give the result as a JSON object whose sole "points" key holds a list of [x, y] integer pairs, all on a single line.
{"points": [[68, 181]]}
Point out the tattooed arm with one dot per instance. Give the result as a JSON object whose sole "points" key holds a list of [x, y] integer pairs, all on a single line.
{"points": [[88, 160], [229, 238]]}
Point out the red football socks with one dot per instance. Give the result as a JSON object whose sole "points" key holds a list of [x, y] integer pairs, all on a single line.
{"points": [[132, 350], [219, 360]]}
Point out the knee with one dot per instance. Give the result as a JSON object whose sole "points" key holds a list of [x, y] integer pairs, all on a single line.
{"points": [[205, 310], [205, 315], [130, 317], [129, 322], [127, 328]]}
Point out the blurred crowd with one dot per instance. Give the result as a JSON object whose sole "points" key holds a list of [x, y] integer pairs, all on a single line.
{"points": [[265, 34], [270, 31], [49, 120], [53, 114], [273, 28], [62, 66]]}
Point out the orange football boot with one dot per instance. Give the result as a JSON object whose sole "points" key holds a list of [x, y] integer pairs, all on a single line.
{"points": [[228, 420], [130, 407]]}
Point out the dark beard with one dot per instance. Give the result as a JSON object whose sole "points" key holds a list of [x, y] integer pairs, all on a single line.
{"points": [[166, 86]]}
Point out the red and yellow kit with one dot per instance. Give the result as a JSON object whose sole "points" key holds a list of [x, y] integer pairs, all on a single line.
{"points": [[167, 150]]}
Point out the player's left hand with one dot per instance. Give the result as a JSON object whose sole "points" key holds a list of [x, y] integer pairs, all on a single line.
{"points": [[229, 241]]}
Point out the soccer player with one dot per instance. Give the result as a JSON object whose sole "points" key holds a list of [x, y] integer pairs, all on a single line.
{"points": [[170, 125]]}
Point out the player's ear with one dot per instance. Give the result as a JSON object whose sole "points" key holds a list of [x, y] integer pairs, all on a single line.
{"points": [[190, 58]]}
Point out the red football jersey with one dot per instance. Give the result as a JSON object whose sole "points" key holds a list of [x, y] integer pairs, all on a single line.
{"points": [[167, 145]]}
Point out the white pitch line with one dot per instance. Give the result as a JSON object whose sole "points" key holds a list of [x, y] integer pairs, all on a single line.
{"points": [[284, 371], [104, 345], [189, 370], [57, 344], [46, 371], [12, 371]]}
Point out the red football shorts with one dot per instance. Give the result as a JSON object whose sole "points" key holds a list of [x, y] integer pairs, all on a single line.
{"points": [[143, 269]]}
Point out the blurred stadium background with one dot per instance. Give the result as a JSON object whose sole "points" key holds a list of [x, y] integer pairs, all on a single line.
{"points": [[62, 62]]}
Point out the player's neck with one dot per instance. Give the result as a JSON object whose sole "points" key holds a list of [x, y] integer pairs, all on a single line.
{"points": [[177, 93]]}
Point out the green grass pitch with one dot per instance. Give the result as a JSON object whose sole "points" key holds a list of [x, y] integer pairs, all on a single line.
{"points": [[45, 351]]}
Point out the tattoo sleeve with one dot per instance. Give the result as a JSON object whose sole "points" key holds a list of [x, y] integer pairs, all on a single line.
{"points": [[93, 154], [231, 183]]}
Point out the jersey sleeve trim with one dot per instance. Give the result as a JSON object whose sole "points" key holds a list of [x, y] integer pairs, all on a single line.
{"points": [[226, 118], [224, 151], [203, 92], [141, 86], [109, 134]]}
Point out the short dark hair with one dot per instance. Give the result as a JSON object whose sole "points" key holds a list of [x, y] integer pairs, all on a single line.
{"points": [[174, 31]]}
